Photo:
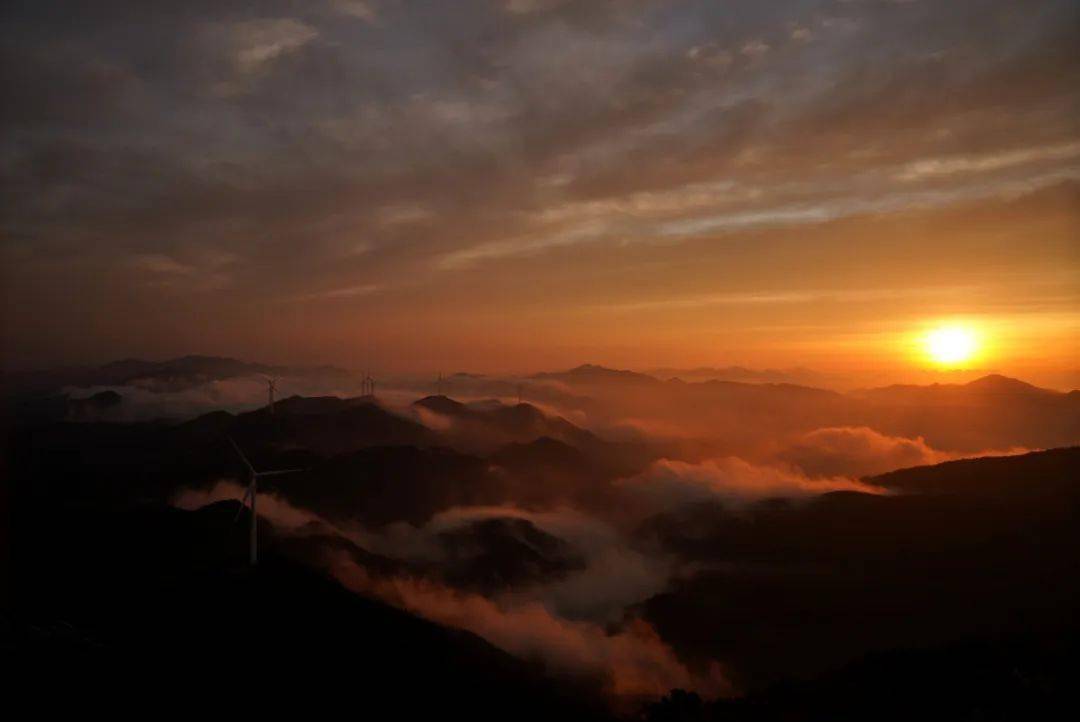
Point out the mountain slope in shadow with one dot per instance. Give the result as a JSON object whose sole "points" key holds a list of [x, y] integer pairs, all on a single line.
{"points": [[155, 600]]}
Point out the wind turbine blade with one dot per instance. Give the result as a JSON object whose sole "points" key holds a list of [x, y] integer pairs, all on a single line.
{"points": [[242, 457], [279, 472], [243, 503]]}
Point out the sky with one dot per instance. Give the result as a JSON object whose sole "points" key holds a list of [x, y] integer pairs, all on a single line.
{"points": [[516, 185]]}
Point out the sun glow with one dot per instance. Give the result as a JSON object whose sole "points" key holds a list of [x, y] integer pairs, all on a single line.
{"points": [[951, 345]]}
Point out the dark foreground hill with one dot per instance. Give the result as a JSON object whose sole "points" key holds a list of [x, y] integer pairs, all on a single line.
{"points": [[983, 549], [1005, 680], [155, 602]]}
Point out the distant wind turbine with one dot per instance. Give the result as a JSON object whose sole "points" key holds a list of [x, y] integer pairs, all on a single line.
{"points": [[271, 387], [251, 493]]}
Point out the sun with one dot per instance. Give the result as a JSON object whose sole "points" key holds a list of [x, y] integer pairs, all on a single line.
{"points": [[951, 345]]}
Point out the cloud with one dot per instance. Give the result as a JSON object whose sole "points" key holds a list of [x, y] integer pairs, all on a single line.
{"points": [[754, 48], [467, 257], [404, 214], [258, 42], [956, 165], [616, 575], [801, 34], [774, 297], [359, 9], [847, 202], [669, 484], [206, 270], [862, 451], [253, 46], [362, 289], [631, 661]]}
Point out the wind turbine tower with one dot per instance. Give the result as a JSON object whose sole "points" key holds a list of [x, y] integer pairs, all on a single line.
{"points": [[271, 387], [251, 494]]}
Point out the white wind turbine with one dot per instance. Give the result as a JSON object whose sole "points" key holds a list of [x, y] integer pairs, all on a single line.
{"points": [[367, 385], [271, 387], [251, 492]]}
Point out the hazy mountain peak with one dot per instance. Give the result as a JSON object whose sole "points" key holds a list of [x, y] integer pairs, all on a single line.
{"points": [[440, 404], [1003, 384], [599, 374]]}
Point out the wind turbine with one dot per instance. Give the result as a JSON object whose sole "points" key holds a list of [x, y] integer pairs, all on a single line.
{"points": [[251, 492], [271, 387]]}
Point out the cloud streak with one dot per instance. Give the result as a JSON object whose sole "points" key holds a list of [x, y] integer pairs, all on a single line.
{"points": [[862, 451], [669, 484], [630, 662]]}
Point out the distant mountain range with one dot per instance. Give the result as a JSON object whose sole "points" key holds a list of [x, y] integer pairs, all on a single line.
{"points": [[745, 375], [990, 412], [171, 374], [589, 374], [991, 385]]}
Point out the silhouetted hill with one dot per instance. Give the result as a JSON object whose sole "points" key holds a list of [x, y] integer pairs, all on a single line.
{"points": [[980, 389], [214, 424], [742, 374], [441, 405], [152, 460], [380, 485], [991, 412], [1017, 678], [1040, 475], [497, 554], [798, 589], [998, 384], [148, 604], [541, 452], [487, 425], [328, 425], [93, 408]]}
